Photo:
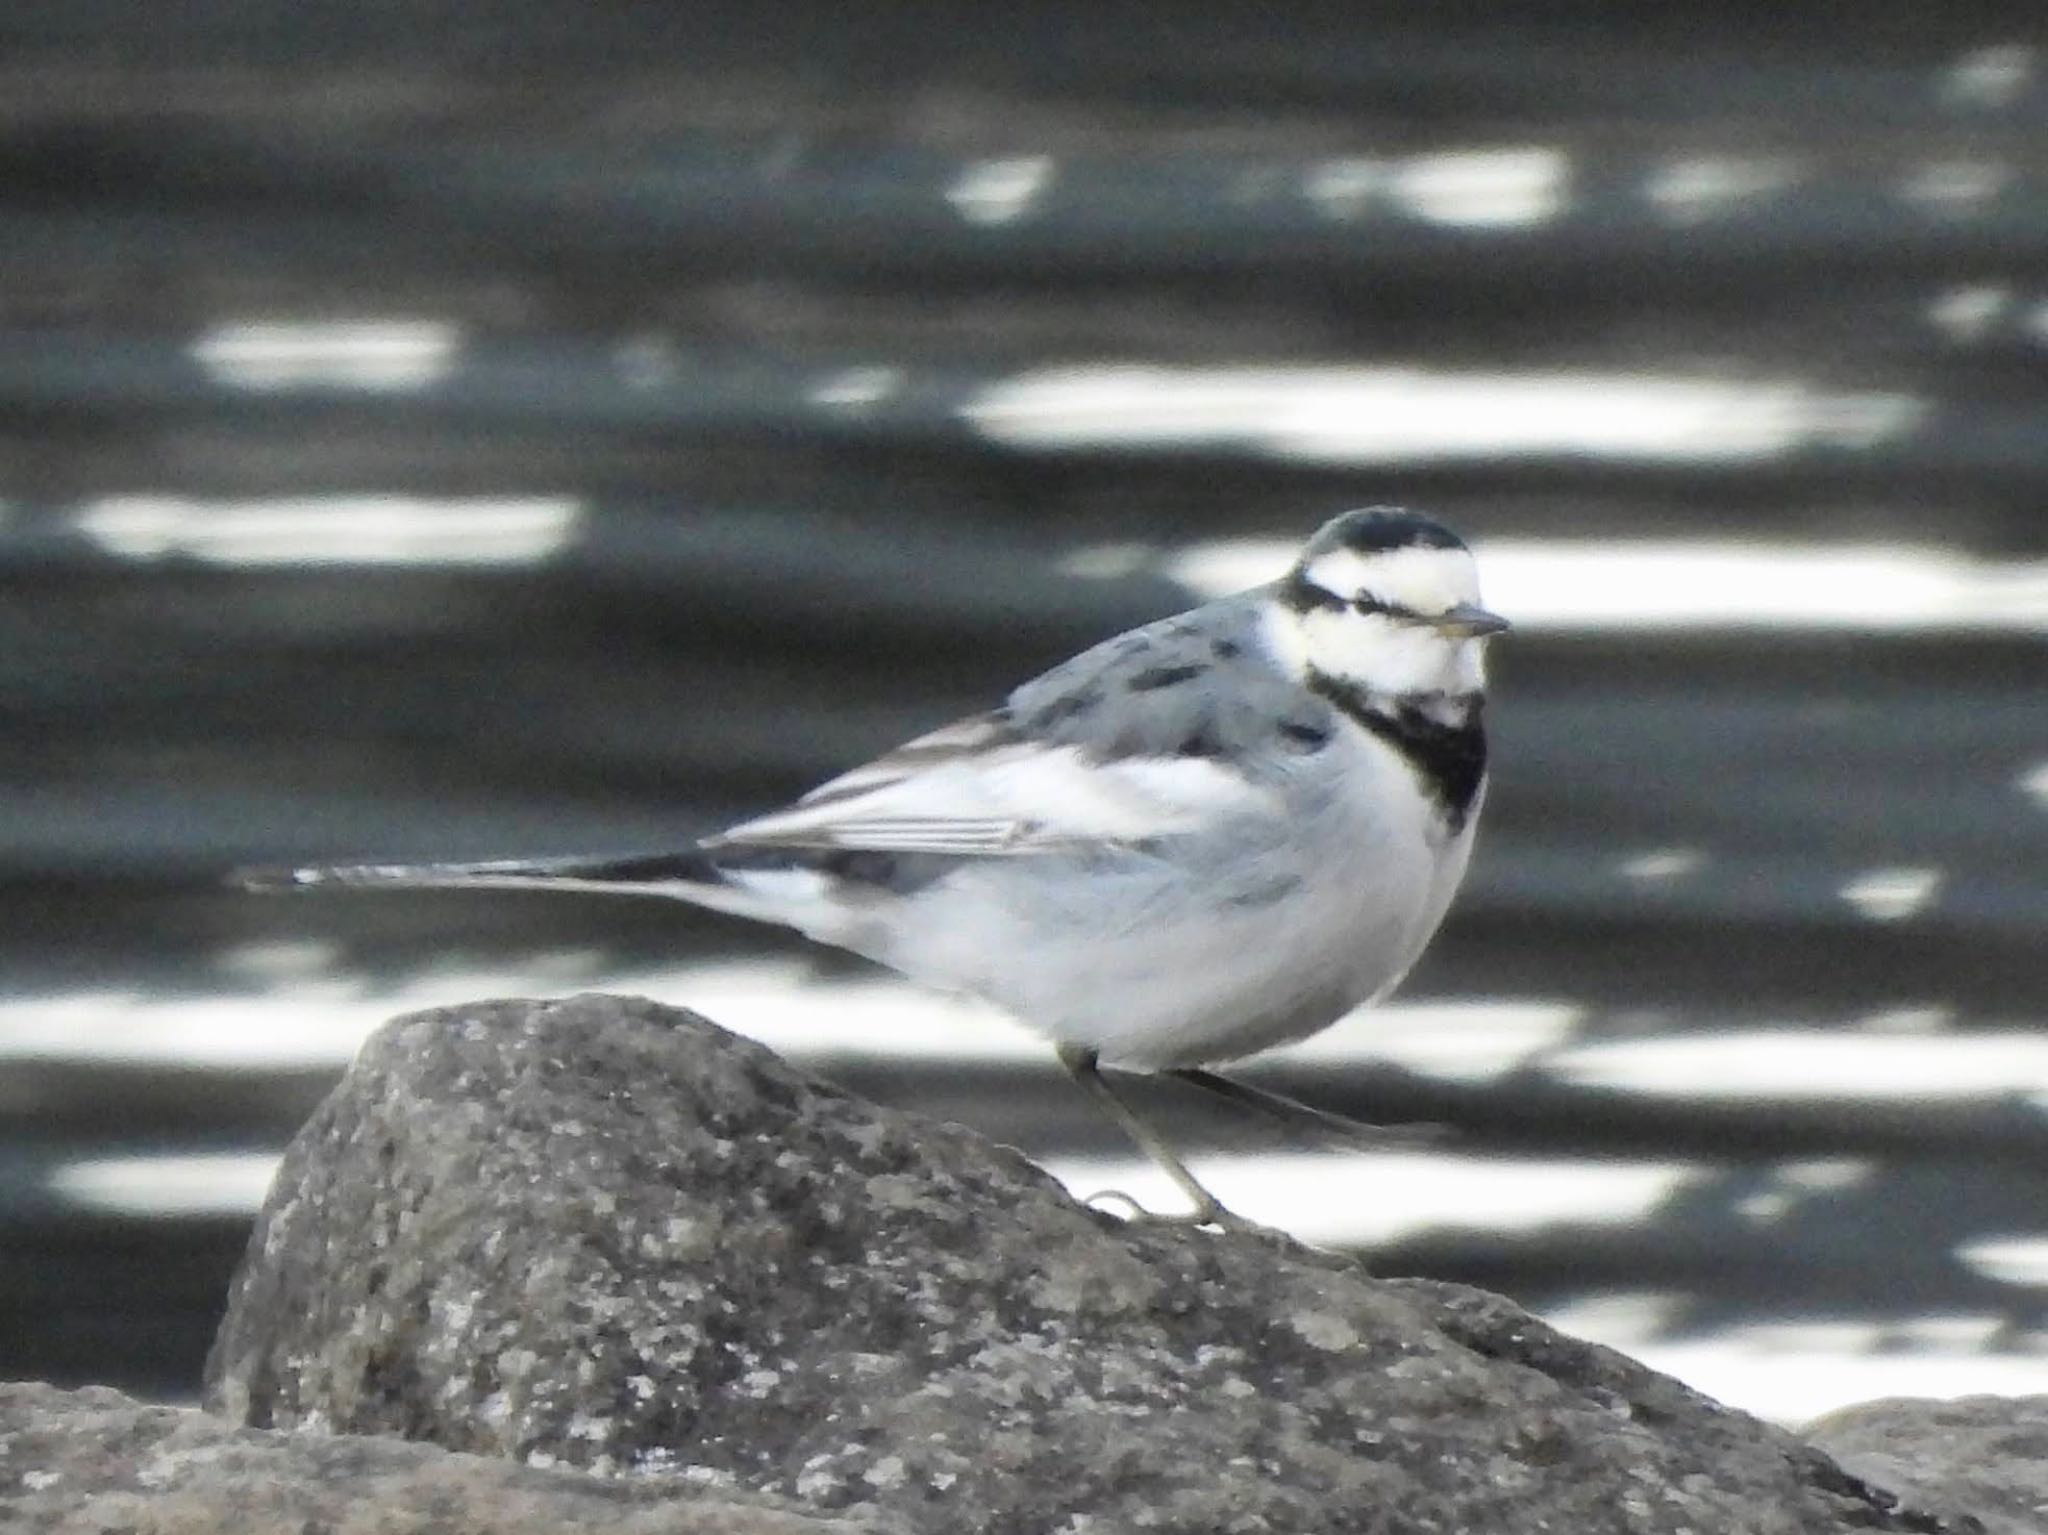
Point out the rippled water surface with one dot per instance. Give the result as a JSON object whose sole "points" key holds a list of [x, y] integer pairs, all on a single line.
{"points": [[405, 458]]}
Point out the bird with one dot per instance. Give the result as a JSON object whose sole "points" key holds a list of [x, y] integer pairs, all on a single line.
{"points": [[1210, 836]]}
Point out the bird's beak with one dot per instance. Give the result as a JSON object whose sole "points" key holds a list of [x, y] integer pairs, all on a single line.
{"points": [[1468, 621]]}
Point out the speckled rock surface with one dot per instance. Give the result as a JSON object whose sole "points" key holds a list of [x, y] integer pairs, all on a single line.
{"points": [[607, 1234], [1984, 1455], [73, 1462]]}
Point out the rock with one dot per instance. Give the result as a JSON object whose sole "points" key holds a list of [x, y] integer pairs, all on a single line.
{"points": [[73, 1462], [1985, 1455], [605, 1234]]}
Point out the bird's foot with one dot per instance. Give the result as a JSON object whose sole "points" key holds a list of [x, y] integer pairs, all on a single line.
{"points": [[1207, 1212], [1292, 1113]]}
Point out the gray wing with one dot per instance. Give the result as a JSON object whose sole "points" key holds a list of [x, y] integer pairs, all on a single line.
{"points": [[1162, 730]]}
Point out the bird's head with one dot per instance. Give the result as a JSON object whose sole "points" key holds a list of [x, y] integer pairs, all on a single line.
{"points": [[1386, 601]]}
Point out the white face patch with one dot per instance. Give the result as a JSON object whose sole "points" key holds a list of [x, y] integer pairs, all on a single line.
{"points": [[1375, 651]]}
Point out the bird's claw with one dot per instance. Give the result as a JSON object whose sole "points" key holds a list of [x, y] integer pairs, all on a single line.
{"points": [[1208, 1214]]}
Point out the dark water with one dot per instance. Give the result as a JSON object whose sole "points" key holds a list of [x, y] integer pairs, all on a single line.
{"points": [[521, 436]]}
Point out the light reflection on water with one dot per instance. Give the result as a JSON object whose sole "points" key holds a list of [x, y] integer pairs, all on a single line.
{"points": [[320, 1017], [363, 530], [316, 1021], [1790, 1064], [1541, 584], [1392, 416], [372, 354], [1791, 1372], [1706, 584]]}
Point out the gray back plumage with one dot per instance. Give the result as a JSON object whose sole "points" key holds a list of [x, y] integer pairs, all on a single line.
{"points": [[1199, 683]]}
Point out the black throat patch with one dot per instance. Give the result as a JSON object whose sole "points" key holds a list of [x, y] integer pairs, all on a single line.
{"points": [[1449, 759]]}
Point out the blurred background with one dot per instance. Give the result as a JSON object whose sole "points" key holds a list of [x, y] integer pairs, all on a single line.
{"points": [[514, 427]]}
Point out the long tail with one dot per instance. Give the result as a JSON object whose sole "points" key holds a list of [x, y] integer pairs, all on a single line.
{"points": [[689, 875]]}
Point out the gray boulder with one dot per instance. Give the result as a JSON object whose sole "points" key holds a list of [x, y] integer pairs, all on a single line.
{"points": [[605, 1234], [92, 1461], [1984, 1455]]}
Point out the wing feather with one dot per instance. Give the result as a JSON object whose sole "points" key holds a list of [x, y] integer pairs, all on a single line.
{"points": [[984, 792]]}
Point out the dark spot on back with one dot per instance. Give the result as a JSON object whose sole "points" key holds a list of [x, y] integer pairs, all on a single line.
{"points": [[1309, 737], [1164, 676], [1061, 710], [1265, 893], [866, 865], [1225, 650], [1201, 742], [897, 873]]}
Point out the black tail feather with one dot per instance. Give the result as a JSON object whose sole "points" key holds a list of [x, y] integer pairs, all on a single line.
{"points": [[689, 867]]}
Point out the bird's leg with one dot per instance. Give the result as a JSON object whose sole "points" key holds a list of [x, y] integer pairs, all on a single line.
{"points": [[1208, 1211], [1290, 1111]]}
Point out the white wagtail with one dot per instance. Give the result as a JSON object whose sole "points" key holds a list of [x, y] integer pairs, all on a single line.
{"points": [[1209, 836]]}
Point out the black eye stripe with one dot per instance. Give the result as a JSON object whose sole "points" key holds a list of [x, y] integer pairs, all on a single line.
{"points": [[1366, 603], [1304, 596]]}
